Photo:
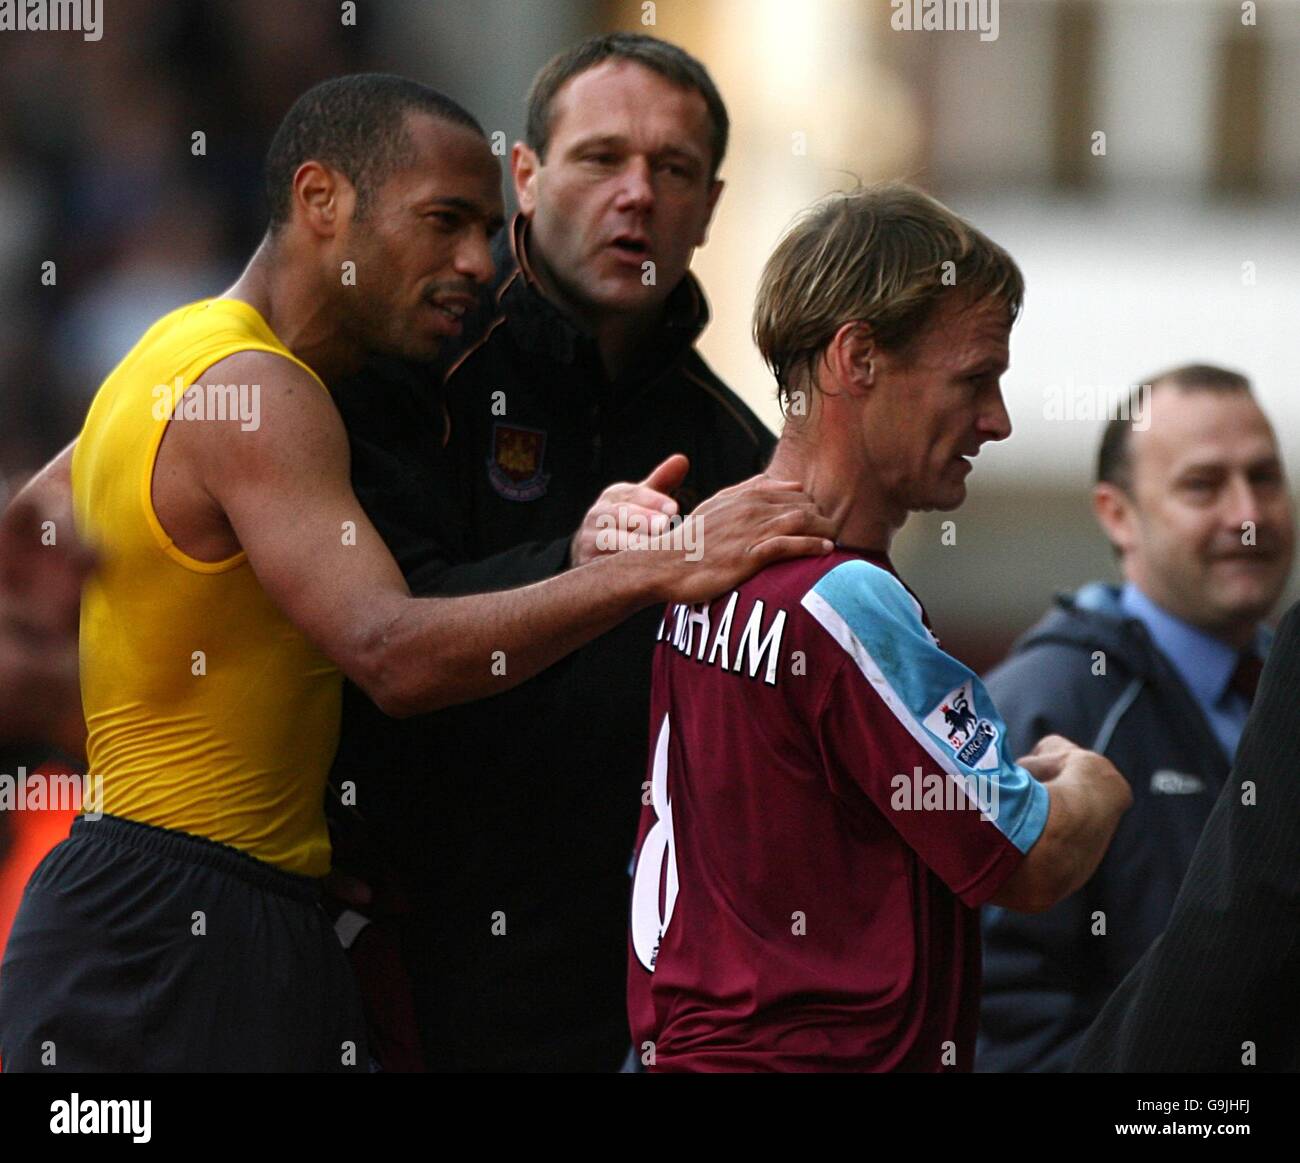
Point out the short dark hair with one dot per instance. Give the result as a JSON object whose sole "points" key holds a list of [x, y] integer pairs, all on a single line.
{"points": [[357, 124], [669, 61], [1114, 457]]}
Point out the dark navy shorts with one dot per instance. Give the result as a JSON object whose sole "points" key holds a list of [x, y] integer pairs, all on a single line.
{"points": [[139, 948]]}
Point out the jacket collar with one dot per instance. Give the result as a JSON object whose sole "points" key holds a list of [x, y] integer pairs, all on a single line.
{"points": [[541, 327], [1097, 617], [1093, 619]]}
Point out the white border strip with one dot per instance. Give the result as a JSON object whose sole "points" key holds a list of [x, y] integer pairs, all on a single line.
{"points": [[834, 625]]}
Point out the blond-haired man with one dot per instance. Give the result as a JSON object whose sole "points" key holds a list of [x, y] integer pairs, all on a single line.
{"points": [[831, 795]]}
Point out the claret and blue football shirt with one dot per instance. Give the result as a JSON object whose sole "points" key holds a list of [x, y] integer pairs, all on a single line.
{"points": [[829, 800]]}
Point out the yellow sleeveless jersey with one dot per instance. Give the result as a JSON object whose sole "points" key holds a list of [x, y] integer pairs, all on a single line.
{"points": [[208, 711]]}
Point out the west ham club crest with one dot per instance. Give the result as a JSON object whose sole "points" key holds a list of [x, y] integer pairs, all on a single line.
{"points": [[515, 466]]}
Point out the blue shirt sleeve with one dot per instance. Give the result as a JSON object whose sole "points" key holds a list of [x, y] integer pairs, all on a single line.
{"points": [[939, 701]]}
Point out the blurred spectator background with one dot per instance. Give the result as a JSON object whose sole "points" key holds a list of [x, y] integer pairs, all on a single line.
{"points": [[1177, 243]]}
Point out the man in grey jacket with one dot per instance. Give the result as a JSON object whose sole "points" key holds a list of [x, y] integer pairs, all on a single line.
{"points": [[1158, 675]]}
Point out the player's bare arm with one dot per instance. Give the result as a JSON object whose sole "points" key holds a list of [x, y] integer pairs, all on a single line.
{"points": [[42, 565], [51, 487], [1086, 798], [282, 493]]}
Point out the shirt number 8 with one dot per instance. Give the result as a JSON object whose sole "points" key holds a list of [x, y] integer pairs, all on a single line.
{"points": [[648, 923]]}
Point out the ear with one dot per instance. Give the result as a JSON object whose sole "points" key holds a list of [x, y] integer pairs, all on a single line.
{"points": [[524, 167], [715, 192], [851, 357], [1116, 515], [323, 199]]}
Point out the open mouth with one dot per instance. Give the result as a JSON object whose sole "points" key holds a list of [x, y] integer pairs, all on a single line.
{"points": [[452, 308], [448, 313], [632, 247]]}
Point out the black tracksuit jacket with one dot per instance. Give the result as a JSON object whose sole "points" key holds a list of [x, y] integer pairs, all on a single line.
{"points": [[511, 820]]}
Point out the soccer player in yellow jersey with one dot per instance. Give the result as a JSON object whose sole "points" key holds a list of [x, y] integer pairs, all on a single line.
{"points": [[239, 580]]}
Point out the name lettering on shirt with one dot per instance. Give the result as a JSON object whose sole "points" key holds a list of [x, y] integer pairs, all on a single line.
{"points": [[758, 646]]}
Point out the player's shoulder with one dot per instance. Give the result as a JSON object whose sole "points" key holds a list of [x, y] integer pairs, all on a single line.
{"points": [[859, 601], [842, 586], [852, 584], [843, 577], [276, 368], [270, 410], [282, 390]]}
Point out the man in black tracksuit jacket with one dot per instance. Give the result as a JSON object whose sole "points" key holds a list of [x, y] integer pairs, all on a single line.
{"points": [[1046, 976], [510, 821]]}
